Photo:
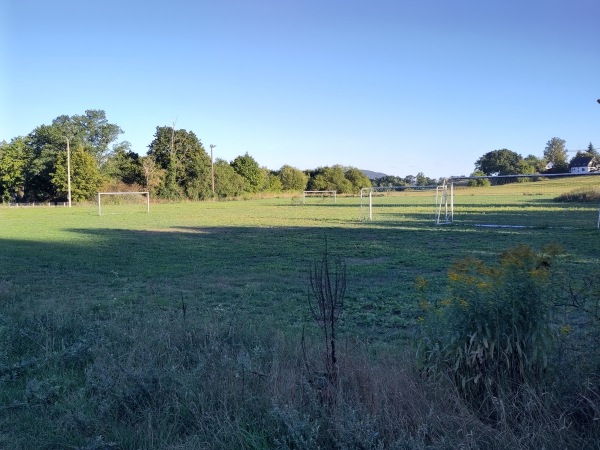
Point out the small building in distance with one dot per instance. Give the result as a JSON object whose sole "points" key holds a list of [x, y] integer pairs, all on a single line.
{"points": [[583, 164]]}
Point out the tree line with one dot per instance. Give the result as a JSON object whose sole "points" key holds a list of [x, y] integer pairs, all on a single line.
{"points": [[176, 166], [553, 161]]}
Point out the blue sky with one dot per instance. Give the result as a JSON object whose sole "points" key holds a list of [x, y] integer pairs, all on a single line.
{"points": [[398, 87]]}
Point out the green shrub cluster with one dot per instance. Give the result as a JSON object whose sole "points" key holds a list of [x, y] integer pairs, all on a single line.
{"points": [[493, 328], [509, 336]]}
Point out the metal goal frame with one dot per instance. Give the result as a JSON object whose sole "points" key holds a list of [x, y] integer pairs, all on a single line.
{"points": [[100, 194]]}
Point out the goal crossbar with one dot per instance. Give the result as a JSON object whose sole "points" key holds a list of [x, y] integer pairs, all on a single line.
{"points": [[315, 193], [443, 199], [146, 193]]}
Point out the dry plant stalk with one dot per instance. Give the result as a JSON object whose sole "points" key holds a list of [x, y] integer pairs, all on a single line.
{"points": [[326, 303]]}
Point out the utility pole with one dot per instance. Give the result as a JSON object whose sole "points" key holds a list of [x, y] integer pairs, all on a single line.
{"points": [[68, 138], [212, 170]]}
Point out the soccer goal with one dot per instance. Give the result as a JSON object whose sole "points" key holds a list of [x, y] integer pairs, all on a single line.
{"points": [[557, 201], [410, 204], [120, 202], [321, 195]]}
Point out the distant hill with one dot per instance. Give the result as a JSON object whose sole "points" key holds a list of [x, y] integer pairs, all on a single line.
{"points": [[372, 175]]}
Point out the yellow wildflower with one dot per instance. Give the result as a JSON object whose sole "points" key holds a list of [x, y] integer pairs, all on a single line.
{"points": [[566, 329], [445, 302], [421, 282], [453, 276]]}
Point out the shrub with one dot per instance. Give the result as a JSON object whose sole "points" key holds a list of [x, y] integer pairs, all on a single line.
{"points": [[479, 181], [492, 332]]}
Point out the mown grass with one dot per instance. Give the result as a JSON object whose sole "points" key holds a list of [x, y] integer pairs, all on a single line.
{"points": [[181, 328], [530, 204], [244, 257]]}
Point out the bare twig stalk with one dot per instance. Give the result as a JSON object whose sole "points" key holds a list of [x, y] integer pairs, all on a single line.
{"points": [[326, 303]]}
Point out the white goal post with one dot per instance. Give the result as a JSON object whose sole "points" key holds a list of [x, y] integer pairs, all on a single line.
{"points": [[100, 194], [558, 201], [563, 201], [321, 194], [444, 206]]}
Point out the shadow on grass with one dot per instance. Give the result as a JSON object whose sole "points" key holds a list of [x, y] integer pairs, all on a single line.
{"points": [[260, 273], [114, 350]]}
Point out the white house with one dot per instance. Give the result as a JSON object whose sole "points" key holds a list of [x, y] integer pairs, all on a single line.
{"points": [[583, 164]]}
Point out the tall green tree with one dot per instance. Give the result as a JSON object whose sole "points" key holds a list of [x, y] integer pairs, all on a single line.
{"points": [[590, 151], [532, 164], [422, 180], [272, 182], [44, 143], [500, 162], [228, 183], [165, 154], [13, 160], [330, 179], [85, 176], [197, 174], [247, 167], [556, 154], [185, 162], [124, 165], [90, 131], [389, 181], [292, 179], [358, 179]]}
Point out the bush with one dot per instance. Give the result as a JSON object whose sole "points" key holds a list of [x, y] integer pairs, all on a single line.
{"points": [[479, 182], [493, 330]]}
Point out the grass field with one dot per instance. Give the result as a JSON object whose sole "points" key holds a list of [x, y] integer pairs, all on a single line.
{"points": [[526, 204], [249, 257], [245, 264]]}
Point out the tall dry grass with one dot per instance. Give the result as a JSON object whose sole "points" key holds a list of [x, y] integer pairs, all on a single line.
{"points": [[161, 379]]}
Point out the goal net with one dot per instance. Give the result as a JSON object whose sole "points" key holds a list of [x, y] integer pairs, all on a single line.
{"points": [[123, 202], [563, 201], [423, 205], [318, 196]]}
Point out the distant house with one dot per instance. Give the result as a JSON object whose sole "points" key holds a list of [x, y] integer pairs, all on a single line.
{"points": [[583, 164]]}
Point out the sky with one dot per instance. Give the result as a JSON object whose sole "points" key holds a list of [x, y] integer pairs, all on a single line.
{"points": [[393, 86]]}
